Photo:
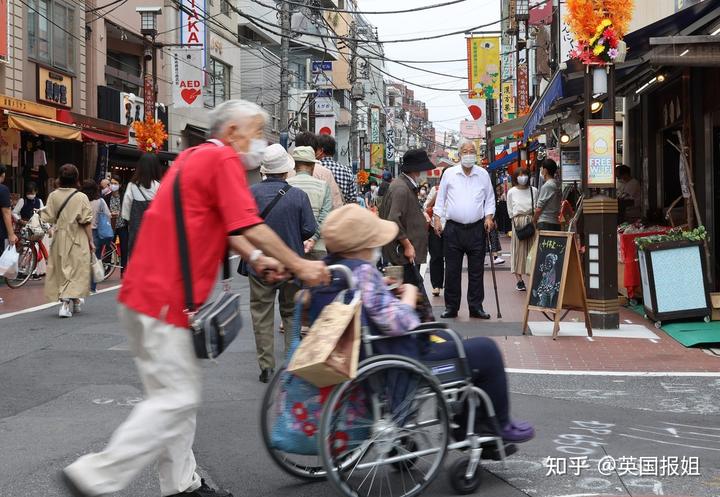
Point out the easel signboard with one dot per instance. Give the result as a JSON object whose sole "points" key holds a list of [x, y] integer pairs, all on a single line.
{"points": [[556, 279]]}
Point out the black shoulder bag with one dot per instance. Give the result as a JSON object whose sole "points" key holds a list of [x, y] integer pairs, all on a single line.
{"points": [[215, 324], [243, 268], [527, 231], [62, 206]]}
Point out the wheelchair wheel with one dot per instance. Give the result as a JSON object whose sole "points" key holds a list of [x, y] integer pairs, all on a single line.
{"points": [[459, 480], [306, 467], [386, 431]]}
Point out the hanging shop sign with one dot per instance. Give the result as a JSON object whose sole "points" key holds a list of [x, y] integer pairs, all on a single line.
{"points": [[390, 144], [601, 153], [192, 24], [377, 155], [132, 108], [325, 125], [54, 88], [570, 170], [508, 101], [522, 86], [483, 53], [323, 106], [149, 97], [26, 107], [187, 78], [319, 66], [374, 125], [4, 31]]}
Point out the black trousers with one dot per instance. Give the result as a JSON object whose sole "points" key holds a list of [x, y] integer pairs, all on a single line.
{"points": [[437, 260], [461, 240], [122, 233]]}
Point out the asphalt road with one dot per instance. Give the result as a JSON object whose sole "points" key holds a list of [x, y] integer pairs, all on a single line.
{"points": [[65, 385]]}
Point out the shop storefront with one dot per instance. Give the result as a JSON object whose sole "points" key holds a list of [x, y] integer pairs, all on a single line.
{"points": [[33, 144]]}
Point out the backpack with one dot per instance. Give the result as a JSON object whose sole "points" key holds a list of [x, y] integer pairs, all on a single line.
{"points": [[137, 211]]}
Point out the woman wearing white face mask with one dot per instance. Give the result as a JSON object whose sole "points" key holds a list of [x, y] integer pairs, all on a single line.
{"points": [[521, 202]]}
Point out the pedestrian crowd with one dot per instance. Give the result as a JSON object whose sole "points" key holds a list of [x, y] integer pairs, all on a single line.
{"points": [[308, 210]]}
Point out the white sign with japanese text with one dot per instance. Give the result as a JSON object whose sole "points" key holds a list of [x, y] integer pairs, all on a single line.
{"points": [[187, 78]]}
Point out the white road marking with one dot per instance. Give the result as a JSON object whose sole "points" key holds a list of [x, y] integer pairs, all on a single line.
{"points": [[49, 305], [668, 443], [614, 373]]}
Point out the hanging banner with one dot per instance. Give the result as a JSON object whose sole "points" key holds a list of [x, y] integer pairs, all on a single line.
{"points": [[192, 24], [4, 31], [325, 125], [507, 105], [390, 144], [566, 38], [377, 155], [187, 78], [522, 86], [483, 54], [476, 107], [374, 125], [601, 153]]}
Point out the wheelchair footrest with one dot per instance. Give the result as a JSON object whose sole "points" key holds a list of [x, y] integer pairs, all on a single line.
{"points": [[491, 452]]}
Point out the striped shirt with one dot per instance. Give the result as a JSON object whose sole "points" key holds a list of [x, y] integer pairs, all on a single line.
{"points": [[320, 199]]}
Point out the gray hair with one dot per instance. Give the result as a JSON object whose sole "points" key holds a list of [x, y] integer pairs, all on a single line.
{"points": [[464, 142], [240, 112]]}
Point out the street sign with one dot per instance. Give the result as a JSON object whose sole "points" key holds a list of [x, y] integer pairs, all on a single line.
{"points": [[322, 79], [323, 105], [324, 92], [319, 66]]}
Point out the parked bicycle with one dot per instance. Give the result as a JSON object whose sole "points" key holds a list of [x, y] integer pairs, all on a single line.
{"points": [[30, 247], [110, 258]]}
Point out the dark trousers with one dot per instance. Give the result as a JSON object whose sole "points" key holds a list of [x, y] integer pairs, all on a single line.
{"points": [[549, 227], [437, 260], [461, 240], [486, 364], [122, 233]]}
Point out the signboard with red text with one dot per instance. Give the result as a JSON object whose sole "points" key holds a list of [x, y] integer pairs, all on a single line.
{"points": [[187, 78], [192, 24]]}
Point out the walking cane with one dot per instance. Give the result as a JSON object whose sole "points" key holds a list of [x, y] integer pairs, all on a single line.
{"points": [[492, 270]]}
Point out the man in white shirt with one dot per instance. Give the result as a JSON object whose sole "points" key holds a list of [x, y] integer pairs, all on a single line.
{"points": [[467, 201], [628, 192]]}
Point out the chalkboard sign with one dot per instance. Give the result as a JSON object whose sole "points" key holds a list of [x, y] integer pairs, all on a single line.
{"points": [[556, 280], [548, 271]]}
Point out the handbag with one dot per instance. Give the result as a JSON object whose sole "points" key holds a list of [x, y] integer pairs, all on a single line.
{"points": [[527, 231], [243, 268], [98, 269], [9, 262], [329, 354], [104, 228], [215, 324], [297, 425]]}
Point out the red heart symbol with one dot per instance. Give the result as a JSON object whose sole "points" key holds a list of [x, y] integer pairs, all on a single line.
{"points": [[189, 95]]}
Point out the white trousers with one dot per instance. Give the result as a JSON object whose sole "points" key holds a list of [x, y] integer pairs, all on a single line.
{"points": [[160, 428]]}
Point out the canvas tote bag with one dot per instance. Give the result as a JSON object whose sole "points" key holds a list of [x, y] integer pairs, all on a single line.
{"points": [[329, 354]]}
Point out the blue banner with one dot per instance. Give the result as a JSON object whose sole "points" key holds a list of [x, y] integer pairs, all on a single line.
{"points": [[553, 92]]}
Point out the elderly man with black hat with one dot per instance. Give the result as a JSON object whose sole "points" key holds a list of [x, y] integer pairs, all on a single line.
{"points": [[400, 204]]}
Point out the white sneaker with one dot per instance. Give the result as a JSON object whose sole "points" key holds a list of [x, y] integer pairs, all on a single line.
{"points": [[499, 260], [77, 305], [65, 310]]}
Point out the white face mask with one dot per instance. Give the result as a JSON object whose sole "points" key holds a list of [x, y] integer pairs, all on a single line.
{"points": [[467, 160], [114, 188], [373, 188], [105, 190], [376, 255], [252, 158], [31, 197], [523, 180]]}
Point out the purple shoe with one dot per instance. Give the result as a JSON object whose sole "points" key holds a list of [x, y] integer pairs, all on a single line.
{"points": [[518, 432]]}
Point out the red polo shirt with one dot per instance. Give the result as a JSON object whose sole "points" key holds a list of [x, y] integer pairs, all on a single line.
{"points": [[216, 200]]}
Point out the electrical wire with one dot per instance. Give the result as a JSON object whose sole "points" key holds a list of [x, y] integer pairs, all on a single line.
{"points": [[94, 9], [415, 9]]}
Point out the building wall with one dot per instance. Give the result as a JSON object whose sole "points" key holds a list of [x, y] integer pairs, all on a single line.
{"points": [[649, 11], [11, 73]]}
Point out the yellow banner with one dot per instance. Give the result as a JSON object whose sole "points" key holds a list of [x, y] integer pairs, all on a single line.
{"points": [[484, 67], [377, 155], [508, 101]]}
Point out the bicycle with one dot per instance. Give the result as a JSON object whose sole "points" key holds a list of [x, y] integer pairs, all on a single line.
{"points": [[110, 258], [29, 243]]}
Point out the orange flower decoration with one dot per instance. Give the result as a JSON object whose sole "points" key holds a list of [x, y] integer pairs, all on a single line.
{"points": [[363, 177], [584, 17], [150, 135]]}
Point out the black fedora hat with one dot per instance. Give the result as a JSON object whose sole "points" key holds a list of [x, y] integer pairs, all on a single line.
{"points": [[416, 160]]}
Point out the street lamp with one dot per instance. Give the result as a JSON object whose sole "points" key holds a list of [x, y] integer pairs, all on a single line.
{"points": [[149, 29]]}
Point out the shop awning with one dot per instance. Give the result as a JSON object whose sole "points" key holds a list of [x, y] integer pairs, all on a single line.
{"points": [[42, 126], [508, 128], [553, 92], [509, 158], [131, 153], [95, 130]]}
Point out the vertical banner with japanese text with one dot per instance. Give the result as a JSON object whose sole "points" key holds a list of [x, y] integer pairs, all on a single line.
{"points": [[483, 53], [187, 78], [4, 30], [522, 89], [375, 125], [192, 24], [377, 156]]}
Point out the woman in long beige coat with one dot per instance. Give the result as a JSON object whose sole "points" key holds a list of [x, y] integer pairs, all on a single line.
{"points": [[68, 272]]}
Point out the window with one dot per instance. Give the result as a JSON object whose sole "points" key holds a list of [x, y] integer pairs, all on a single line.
{"points": [[219, 88], [51, 42], [225, 7]]}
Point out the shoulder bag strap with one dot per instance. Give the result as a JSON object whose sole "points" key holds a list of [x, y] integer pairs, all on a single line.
{"points": [[183, 245], [269, 207], [57, 216], [141, 192]]}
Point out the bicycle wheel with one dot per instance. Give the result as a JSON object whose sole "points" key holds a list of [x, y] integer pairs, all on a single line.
{"points": [[386, 431], [109, 260], [27, 261], [306, 467]]}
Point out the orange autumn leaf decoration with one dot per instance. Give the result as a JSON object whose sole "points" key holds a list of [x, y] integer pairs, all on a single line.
{"points": [[584, 16], [363, 177], [150, 135]]}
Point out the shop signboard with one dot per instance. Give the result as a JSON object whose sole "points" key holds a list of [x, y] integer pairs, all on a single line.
{"points": [[323, 106], [522, 93], [4, 31], [508, 101], [570, 166], [26, 107], [132, 108], [149, 97], [377, 155], [187, 78], [374, 125], [319, 66], [601, 153], [566, 37], [483, 53], [192, 24], [390, 144], [54, 88]]}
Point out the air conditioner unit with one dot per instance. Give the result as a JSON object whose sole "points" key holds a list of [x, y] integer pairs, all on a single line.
{"points": [[358, 91]]}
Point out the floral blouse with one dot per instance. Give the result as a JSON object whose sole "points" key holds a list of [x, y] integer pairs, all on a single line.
{"points": [[391, 316], [115, 206]]}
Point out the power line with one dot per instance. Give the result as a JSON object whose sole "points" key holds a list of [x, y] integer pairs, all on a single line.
{"points": [[415, 9]]}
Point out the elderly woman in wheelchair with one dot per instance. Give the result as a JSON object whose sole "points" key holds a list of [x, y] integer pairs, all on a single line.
{"points": [[420, 390]]}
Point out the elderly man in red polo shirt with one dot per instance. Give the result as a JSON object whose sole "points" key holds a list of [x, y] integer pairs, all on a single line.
{"points": [[219, 210]]}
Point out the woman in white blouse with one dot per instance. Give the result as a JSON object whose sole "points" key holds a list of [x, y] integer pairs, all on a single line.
{"points": [[521, 202], [139, 193]]}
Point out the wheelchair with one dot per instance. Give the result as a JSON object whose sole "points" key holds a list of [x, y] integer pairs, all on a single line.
{"points": [[388, 430]]}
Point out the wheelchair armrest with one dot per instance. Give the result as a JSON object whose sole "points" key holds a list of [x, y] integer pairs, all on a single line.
{"points": [[433, 325]]}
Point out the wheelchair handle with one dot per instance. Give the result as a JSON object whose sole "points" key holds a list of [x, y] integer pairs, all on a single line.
{"points": [[346, 273]]}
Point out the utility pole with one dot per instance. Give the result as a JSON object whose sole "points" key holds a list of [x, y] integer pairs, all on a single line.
{"points": [[356, 93], [285, 17]]}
